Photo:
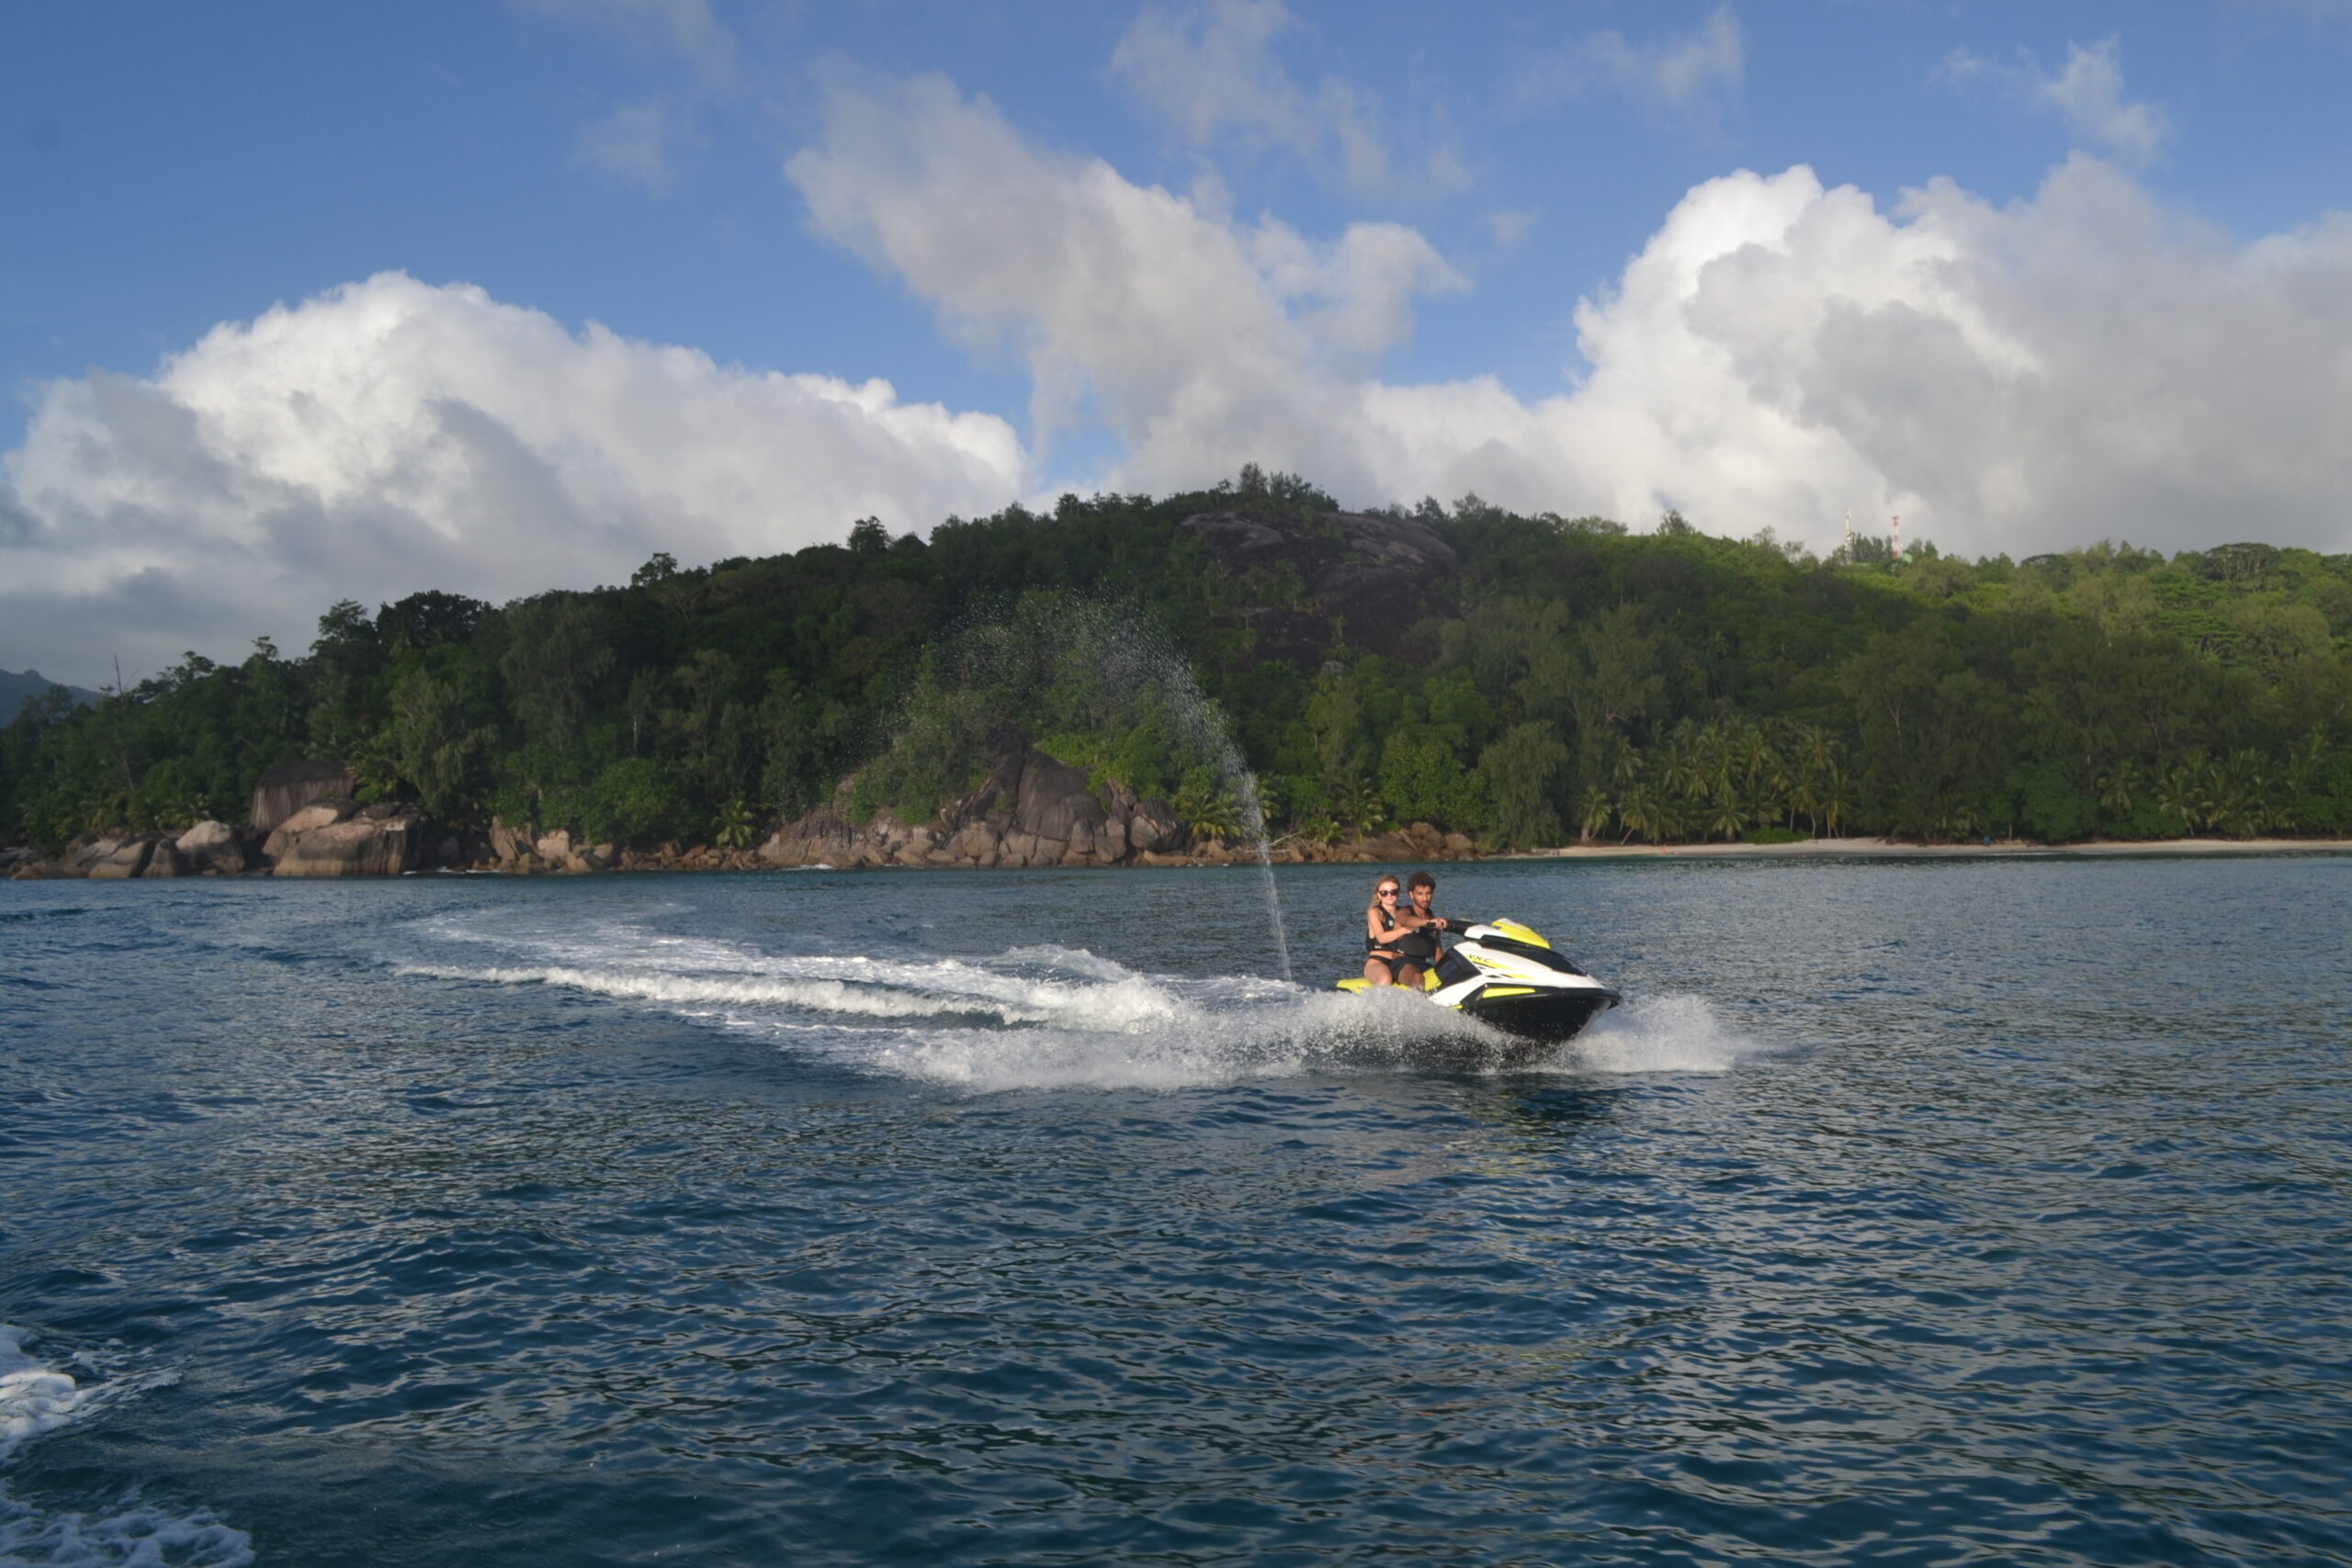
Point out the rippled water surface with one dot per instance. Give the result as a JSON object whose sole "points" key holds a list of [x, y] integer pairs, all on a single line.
{"points": [[1911, 1212]]}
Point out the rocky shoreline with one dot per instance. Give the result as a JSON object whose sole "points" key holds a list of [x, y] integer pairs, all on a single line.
{"points": [[213, 848], [354, 845], [1032, 811]]}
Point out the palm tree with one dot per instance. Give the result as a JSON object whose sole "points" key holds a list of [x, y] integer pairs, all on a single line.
{"points": [[2304, 764], [1718, 761], [734, 826], [2242, 795], [1775, 782], [1814, 748], [2180, 794], [1637, 811], [1356, 804], [1804, 797], [2117, 788], [1597, 811], [1728, 818], [1679, 771], [1756, 757], [1209, 811], [1833, 797], [1626, 766]]}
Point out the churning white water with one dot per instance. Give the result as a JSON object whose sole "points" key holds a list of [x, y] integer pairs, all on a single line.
{"points": [[36, 1399], [1035, 1016]]}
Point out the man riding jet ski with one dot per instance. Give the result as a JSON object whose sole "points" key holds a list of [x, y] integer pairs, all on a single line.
{"points": [[1505, 974]]}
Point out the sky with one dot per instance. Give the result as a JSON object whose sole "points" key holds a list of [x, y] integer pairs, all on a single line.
{"points": [[301, 303]]}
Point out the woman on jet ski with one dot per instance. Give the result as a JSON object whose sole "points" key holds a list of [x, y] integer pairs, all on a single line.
{"points": [[1384, 965], [1402, 938]]}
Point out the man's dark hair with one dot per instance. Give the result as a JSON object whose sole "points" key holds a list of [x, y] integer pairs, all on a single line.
{"points": [[1419, 879]]}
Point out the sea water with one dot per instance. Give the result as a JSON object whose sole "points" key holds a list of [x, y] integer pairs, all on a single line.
{"points": [[1909, 1213]]}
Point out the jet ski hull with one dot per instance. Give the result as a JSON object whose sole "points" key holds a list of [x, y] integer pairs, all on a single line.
{"points": [[1546, 1017]]}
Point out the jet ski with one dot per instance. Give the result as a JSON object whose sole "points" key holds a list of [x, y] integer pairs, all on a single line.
{"points": [[1505, 974]]}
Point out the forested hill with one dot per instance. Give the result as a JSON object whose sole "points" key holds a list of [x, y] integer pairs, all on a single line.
{"points": [[17, 689], [1521, 679]]}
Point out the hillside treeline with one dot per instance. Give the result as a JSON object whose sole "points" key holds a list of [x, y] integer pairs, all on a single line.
{"points": [[1545, 678]]}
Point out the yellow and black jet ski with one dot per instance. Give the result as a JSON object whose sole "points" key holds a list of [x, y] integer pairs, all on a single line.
{"points": [[1505, 974]]}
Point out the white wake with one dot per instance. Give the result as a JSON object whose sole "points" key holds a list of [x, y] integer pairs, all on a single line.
{"points": [[36, 1399], [1054, 1016]]}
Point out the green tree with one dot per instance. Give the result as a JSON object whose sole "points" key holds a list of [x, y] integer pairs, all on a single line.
{"points": [[634, 801], [1523, 772], [431, 746], [555, 651]]}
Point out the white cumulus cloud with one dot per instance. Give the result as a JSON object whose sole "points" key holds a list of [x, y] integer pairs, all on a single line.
{"points": [[1173, 327], [2079, 365], [389, 436]]}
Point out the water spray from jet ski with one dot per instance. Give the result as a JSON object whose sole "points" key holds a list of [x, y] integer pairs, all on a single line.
{"points": [[1097, 685]]}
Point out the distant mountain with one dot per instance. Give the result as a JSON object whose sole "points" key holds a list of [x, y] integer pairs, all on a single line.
{"points": [[18, 690]]}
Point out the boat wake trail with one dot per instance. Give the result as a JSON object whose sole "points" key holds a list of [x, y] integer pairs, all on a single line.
{"points": [[1052, 1016], [36, 1399]]}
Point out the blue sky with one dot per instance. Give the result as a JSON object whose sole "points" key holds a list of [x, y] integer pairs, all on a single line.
{"points": [[990, 207]]}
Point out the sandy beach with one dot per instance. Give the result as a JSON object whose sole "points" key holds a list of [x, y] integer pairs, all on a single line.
{"points": [[1893, 848]]}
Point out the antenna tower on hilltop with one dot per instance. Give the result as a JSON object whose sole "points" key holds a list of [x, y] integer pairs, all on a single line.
{"points": [[1898, 538], [1849, 535]]}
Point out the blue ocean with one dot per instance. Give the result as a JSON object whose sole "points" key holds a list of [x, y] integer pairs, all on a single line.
{"points": [[1915, 1213]]}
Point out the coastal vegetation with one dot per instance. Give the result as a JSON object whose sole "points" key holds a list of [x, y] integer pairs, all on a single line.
{"points": [[1522, 680]]}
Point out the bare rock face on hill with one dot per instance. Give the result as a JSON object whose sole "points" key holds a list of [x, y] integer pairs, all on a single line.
{"points": [[1373, 575], [1032, 811]]}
